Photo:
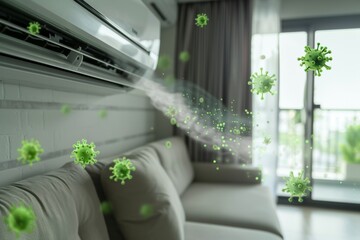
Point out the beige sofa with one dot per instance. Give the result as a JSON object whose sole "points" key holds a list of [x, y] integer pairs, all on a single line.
{"points": [[225, 204]]}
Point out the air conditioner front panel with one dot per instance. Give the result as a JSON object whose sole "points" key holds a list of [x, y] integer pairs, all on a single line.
{"points": [[76, 20]]}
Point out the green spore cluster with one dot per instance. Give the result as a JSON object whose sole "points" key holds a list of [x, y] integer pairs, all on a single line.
{"points": [[315, 59], [201, 20], [184, 56], [30, 151], [351, 148], [103, 113], [84, 153], [106, 207], [66, 109], [262, 83], [171, 111], [168, 144], [122, 170], [21, 219], [34, 28], [267, 140], [297, 186], [146, 210], [164, 62]]}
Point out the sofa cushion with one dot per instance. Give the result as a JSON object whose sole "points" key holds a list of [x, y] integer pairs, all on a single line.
{"points": [[176, 162], [202, 231], [64, 202], [231, 205], [149, 188]]}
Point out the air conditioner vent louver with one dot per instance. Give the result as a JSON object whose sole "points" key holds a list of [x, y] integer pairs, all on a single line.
{"points": [[92, 55]]}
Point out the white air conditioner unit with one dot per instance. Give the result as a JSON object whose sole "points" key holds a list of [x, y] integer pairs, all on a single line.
{"points": [[165, 10], [105, 39]]}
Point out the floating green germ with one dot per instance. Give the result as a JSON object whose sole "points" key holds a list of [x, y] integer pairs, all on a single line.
{"points": [[164, 62], [171, 111], [103, 113], [315, 59], [216, 148], [146, 210], [169, 80], [84, 153], [173, 121], [20, 220], [267, 140], [122, 170], [201, 100], [220, 126], [29, 151], [297, 186], [168, 144], [65, 109], [34, 28], [184, 56], [201, 20], [262, 83], [106, 207]]}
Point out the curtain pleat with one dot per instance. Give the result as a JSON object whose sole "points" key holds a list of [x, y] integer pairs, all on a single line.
{"points": [[219, 57]]}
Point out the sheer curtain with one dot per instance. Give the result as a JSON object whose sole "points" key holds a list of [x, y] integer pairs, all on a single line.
{"points": [[265, 54], [219, 55]]}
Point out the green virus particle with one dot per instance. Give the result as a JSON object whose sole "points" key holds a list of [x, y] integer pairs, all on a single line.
{"points": [[103, 113], [168, 144], [297, 186], [220, 126], [173, 121], [315, 59], [169, 80], [66, 109], [20, 220], [34, 28], [201, 20], [164, 62], [84, 153], [30, 151], [184, 56], [171, 111], [262, 83], [122, 170], [267, 140], [146, 210], [201, 100], [106, 207], [216, 148]]}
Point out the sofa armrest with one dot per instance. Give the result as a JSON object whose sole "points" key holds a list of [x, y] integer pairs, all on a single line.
{"points": [[227, 173]]}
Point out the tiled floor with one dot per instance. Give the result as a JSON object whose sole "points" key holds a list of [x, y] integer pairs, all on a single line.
{"points": [[304, 223]]}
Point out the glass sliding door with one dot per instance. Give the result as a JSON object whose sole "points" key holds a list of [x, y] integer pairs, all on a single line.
{"points": [[319, 117], [336, 150]]}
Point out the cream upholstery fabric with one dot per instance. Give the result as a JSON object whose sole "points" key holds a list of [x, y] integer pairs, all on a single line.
{"points": [[201, 231], [245, 206], [176, 162], [150, 185], [65, 204]]}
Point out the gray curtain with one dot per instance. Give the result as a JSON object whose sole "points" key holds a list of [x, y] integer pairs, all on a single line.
{"points": [[219, 57]]}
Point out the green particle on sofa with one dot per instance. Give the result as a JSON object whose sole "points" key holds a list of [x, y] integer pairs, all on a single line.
{"points": [[20, 220], [84, 153], [122, 170]]}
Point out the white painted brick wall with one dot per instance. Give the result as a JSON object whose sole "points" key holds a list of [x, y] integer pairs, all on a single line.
{"points": [[57, 131]]}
